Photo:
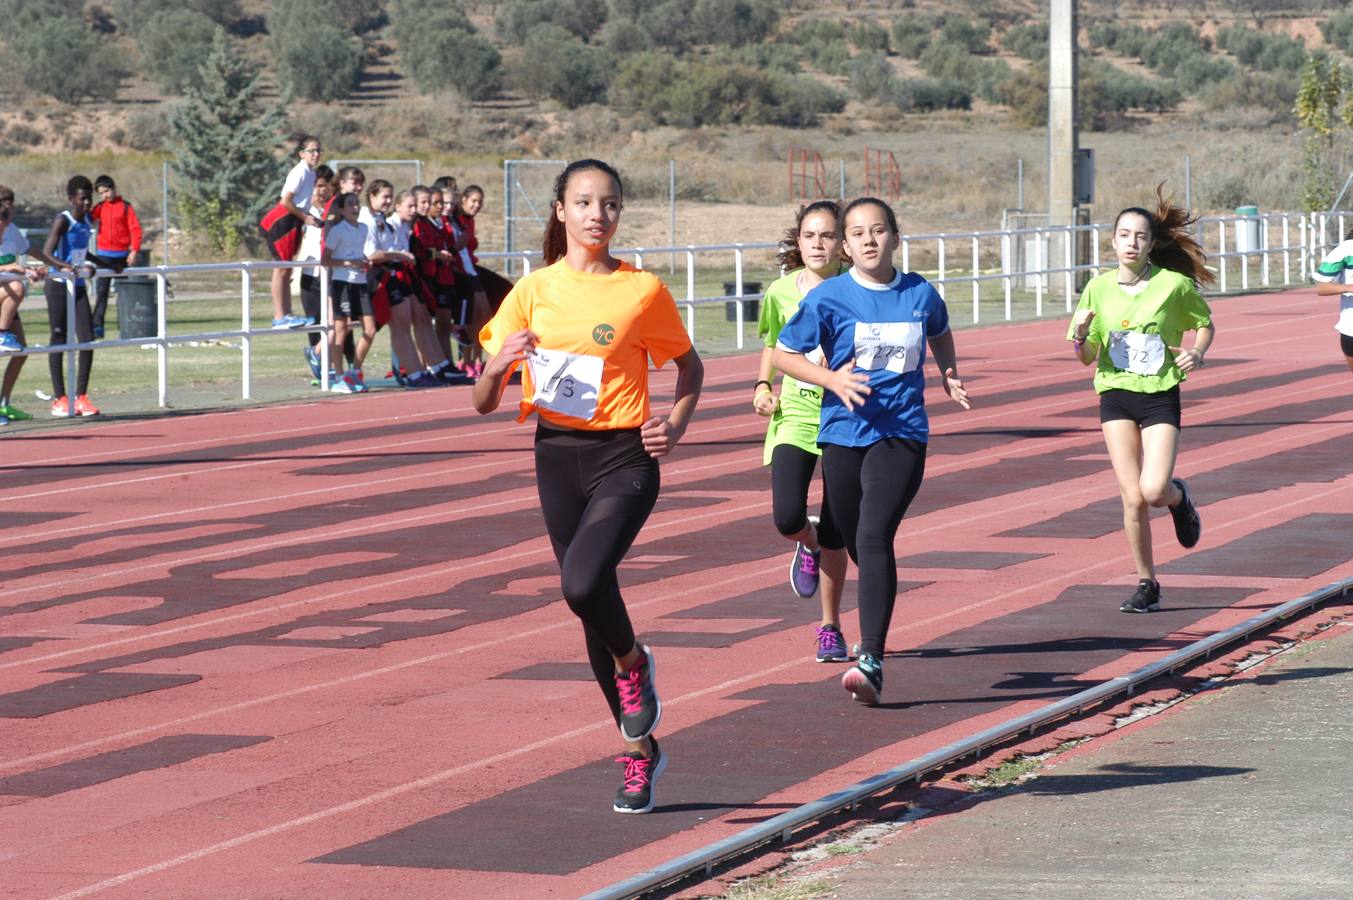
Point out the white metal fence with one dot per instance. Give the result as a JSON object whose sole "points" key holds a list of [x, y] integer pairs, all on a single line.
{"points": [[971, 267]]}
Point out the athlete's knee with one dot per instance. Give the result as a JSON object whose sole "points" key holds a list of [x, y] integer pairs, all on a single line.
{"points": [[1156, 493], [873, 541], [789, 522], [583, 587], [1132, 497]]}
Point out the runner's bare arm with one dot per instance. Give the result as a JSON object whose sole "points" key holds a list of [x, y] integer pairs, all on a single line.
{"points": [[851, 386], [488, 389], [946, 357], [661, 435]]}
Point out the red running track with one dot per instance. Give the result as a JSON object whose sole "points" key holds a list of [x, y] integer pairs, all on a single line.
{"points": [[318, 650]]}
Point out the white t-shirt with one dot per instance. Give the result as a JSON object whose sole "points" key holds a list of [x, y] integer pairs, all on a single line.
{"points": [[346, 241], [300, 184], [312, 243], [398, 236], [1337, 268], [13, 244]]}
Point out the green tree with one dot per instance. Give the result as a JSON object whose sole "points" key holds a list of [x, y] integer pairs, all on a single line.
{"points": [[66, 60], [133, 15], [440, 50], [556, 64], [318, 60], [172, 46], [1317, 109], [226, 169], [517, 18], [735, 22]]}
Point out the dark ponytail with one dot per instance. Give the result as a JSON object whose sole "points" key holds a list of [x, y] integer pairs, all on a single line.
{"points": [[1172, 246], [556, 240], [789, 257]]}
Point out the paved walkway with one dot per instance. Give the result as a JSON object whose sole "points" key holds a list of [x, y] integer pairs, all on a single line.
{"points": [[1239, 792]]}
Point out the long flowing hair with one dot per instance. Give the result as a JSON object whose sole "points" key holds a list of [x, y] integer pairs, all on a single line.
{"points": [[1173, 246]]}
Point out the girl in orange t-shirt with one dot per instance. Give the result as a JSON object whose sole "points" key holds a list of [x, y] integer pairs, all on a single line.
{"points": [[586, 326]]}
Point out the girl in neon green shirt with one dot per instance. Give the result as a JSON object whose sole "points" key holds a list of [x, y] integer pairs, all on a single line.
{"points": [[1130, 325], [812, 251]]}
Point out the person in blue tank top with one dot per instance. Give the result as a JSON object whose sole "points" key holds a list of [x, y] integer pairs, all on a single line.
{"points": [[68, 243], [873, 324]]}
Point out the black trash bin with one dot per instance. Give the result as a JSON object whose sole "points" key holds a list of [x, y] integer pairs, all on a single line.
{"points": [[751, 309], [137, 307]]}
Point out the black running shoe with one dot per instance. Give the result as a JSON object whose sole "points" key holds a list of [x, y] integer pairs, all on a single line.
{"points": [[640, 708], [1146, 599], [864, 680], [641, 773], [1188, 527]]}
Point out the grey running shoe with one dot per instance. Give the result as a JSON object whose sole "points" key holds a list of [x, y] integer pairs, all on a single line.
{"points": [[1146, 598], [641, 773], [640, 708], [1188, 527]]}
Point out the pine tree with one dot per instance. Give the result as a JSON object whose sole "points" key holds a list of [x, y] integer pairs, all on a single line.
{"points": [[228, 172]]}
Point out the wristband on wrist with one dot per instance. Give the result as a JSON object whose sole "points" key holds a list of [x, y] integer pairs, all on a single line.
{"points": [[761, 382]]}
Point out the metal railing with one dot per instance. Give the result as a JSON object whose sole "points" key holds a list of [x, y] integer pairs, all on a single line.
{"points": [[162, 340], [782, 827], [1283, 248]]}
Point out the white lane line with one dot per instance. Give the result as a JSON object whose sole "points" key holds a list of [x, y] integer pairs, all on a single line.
{"points": [[397, 790]]}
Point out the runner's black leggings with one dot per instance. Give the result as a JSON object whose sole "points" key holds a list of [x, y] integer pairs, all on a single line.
{"points": [[791, 474], [55, 291], [870, 489], [596, 491]]}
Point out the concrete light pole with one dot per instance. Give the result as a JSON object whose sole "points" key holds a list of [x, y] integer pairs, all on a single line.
{"points": [[1063, 133]]}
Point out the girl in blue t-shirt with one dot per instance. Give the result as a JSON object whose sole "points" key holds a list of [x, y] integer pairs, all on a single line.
{"points": [[873, 324]]}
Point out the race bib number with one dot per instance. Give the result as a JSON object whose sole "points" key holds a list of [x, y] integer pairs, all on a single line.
{"points": [[567, 383], [895, 346], [1140, 354], [78, 257]]}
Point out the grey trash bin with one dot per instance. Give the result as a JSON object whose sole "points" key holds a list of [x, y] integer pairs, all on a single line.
{"points": [[751, 309], [137, 307]]}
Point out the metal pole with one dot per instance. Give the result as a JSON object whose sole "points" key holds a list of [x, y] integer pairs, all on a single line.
{"points": [[1188, 183], [671, 202], [162, 330], [164, 208], [72, 384], [246, 342], [507, 214], [1019, 177], [843, 180]]}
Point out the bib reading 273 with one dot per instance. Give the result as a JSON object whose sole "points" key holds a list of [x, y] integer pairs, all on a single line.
{"points": [[1138, 353], [895, 346], [567, 383]]}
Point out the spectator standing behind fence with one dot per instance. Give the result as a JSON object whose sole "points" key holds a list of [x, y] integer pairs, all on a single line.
{"points": [[117, 244], [348, 246], [412, 314], [473, 305], [312, 245], [1334, 275], [282, 226], [493, 286], [68, 246], [14, 277]]}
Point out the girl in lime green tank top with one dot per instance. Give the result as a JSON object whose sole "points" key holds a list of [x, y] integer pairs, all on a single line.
{"points": [[811, 253], [1130, 325]]}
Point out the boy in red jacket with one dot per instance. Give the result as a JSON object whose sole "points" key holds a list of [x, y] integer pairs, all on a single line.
{"points": [[118, 243]]}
